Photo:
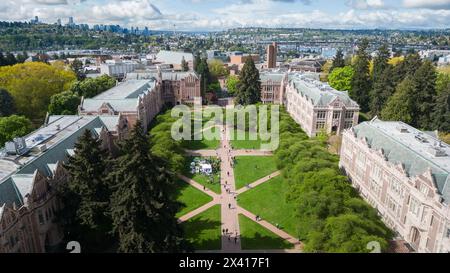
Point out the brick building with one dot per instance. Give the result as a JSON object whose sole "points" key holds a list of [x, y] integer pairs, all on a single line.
{"points": [[405, 174]]}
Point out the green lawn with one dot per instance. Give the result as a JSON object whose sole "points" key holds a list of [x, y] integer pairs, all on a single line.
{"points": [[268, 200], [248, 169], [202, 179], [246, 143], [256, 237], [203, 230], [190, 197], [203, 144]]}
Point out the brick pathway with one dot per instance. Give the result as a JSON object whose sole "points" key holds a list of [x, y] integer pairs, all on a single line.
{"points": [[227, 199], [258, 182]]}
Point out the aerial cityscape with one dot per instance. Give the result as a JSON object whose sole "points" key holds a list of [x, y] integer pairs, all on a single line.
{"points": [[229, 127]]}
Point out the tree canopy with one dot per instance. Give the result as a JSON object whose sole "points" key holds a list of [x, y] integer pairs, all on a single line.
{"points": [[32, 84], [249, 86], [341, 78], [232, 82], [361, 81], [86, 196], [7, 105], [143, 212], [13, 126], [338, 60], [91, 87], [65, 103]]}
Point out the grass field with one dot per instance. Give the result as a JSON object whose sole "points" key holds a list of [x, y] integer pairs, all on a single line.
{"points": [[245, 143], [190, 197], [203, 230], [249, 169], [269, 202], [256, 237], [203, 144], [201, 178]]}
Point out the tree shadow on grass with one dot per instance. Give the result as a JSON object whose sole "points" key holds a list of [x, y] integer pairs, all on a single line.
{"points": [[202, 233], [260, 242]]}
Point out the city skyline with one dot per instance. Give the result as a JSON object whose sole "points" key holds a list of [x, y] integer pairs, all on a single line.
{"points": [[202, 15]]}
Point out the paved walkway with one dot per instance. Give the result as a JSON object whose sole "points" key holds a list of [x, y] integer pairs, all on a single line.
{"points": [[259, 182], [203, 208], [269, 226], [250, 152], [230, 219], [227, 199]]}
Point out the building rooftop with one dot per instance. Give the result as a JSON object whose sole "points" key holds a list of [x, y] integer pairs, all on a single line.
{"points": [[417, 151], [130, 89], [321, 94], [174, 57], [122, 98], [166, 75], [45, 147]]}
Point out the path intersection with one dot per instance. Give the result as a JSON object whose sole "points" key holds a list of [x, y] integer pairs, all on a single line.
{"points": [[227, 199]]}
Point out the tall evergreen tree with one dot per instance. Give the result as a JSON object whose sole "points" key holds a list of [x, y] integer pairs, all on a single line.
{"points": [[383, 88], [406, 68], [203, 71], [7, 105], [382, 83], [424, 95], [77, 68], [249, 86], [143, 211], [197, 62], [361, 82], [338, 60], [184, 65], [86, 196], [381, 61], [2, 59], [400, 105], [10, 59]]}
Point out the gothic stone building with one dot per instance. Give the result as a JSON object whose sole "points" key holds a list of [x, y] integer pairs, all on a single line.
{"points": [[314, 105], [29, 173], [405, 174]]}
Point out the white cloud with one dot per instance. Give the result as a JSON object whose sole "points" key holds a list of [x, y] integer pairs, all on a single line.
{"points": [[366, 4], [431, 4], [264, 13]]}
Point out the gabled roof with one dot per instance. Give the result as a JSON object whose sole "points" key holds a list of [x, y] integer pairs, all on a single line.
{"points": [[17, 172], [411, 148], [321, 94], [166, 75]]}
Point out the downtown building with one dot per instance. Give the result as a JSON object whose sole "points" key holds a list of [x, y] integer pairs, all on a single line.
{"points": [[405, 174], [314, 105]]}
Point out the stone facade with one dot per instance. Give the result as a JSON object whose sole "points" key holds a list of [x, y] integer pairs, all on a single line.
{"points": [[405, 174], [28, 200], [314, 105], [176, 87]]}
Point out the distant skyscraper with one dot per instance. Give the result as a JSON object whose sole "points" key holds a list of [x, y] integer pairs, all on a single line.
{"points": [[58, 22], [272, 55], [35, 20], [70, 20]]}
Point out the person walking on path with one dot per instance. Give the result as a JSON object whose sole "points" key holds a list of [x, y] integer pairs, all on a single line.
{"points": [[235, 240], [229, 205]]}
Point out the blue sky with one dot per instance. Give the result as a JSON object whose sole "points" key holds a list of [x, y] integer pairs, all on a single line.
{"points": [[223, 14]]}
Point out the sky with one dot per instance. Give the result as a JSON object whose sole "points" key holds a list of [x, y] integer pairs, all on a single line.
{"points": [[214, 15]]}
